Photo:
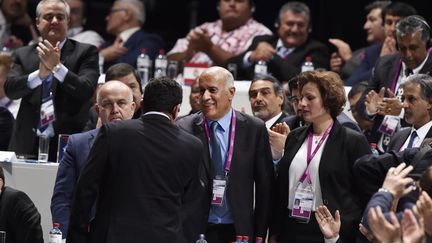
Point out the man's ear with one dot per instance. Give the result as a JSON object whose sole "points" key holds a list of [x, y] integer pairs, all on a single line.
{"points": [[232, 92], [175, 111]]}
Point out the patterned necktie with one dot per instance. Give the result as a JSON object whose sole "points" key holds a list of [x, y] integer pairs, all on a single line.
{"points": [[408, 72], [411, 140], [216, 154]]}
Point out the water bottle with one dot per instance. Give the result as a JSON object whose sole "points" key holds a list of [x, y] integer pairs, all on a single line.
{"points": [[239, 239], [161, 64], [261, 67], [55, 235], [143, 67], [374, 149], [258, 240], [201, 239], [2, 236], [172, 69], [307, 65], [101, 63], [245, 239]]}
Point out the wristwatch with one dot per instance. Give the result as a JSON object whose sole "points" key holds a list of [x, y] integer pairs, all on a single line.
{"points": [[56, 68], [382, 189]]}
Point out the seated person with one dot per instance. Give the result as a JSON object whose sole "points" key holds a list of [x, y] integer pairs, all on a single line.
{"points": [[18, 215], [215, 42], [286, 51]]}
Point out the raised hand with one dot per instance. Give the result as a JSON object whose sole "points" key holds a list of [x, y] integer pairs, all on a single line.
{"points": [[328, 225]]}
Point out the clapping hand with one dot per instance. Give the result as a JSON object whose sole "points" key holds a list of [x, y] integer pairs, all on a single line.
{"points": [[277, 136], [382, 229], [328, 225]]}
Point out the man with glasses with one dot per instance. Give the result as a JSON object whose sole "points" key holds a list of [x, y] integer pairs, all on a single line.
{"points": [[124, 21], [55, 78]]}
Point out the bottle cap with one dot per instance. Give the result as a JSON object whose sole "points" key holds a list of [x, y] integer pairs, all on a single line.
{"points": [[162, 51], [258, 238], [373, 145], [239, 237], [308, 58], [56, 225], [143, 50], [245, 237]]}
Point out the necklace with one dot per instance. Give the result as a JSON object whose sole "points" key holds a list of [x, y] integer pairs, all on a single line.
{"points": [[316, 138]]}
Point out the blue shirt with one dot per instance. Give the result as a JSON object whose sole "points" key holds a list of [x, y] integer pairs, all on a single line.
{"points": [[222, 214]]}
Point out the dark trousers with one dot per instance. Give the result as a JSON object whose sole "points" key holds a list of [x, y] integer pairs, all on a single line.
{"points": [[296, 232], [220, 233]]}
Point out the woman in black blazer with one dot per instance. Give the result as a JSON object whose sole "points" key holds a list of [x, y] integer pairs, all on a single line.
{"points": [[327, 178]]}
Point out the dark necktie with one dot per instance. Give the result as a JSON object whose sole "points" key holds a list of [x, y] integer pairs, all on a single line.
{"points": [[216, 154], [46, 91], [408, 72], [411, 140]]}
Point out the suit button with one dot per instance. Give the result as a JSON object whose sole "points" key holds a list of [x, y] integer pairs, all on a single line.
{"points": [[325, 202]]}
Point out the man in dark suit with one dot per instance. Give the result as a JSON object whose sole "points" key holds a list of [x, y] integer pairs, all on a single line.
{"points": [[18, 215], [55, 72], [139, 186], [285, 52], [237, 152], [267, 99], [114, 103], [417, 105], [384, 93], [124, 21]]}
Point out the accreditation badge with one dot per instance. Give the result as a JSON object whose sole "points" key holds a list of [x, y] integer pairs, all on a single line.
{"points": [[47, 114], [389, 125], [219, 188], [303, 203]]}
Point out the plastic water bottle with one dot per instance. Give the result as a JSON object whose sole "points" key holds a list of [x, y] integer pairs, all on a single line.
{"points": [[258, 240], [55, 235], [101, 63], [143, 67], [307, 65], [261, 67], [374, 149], [239, 239], [245, 239], [172, 69], [201, 239], [161, 64]]}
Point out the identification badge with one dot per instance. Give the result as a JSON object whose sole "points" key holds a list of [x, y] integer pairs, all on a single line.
{"points": [[389, 125], [303, 203], [47, 114], [219, 186]]}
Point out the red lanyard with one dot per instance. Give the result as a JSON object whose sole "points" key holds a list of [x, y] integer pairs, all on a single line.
{"points": [[231, 142], [310, 155]]}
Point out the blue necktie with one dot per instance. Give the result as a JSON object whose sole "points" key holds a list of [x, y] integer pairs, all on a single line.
{"points": [[411, 141], [216, 154]]}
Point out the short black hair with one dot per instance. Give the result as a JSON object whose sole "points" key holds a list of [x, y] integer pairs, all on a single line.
{"points": [[399, 9], [267, 77], [162, 95], [120, 70], [358, 88]]}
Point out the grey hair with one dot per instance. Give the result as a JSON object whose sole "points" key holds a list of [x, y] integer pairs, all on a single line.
{"points": [[296, 8], [114, 83], [425, 83], [137, 8], [413, 24], [42, 2]]}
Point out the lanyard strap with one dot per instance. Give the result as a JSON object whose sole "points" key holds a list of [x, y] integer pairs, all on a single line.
{"points": [[310, 156], [231, 140]]}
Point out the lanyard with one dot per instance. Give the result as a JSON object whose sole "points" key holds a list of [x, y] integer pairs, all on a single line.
{"points": [[231, 140], [310, 155]]}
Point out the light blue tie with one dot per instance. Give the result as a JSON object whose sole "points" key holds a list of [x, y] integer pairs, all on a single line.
{"points": [[216, 154]]}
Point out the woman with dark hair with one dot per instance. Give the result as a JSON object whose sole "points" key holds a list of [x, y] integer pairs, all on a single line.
{"points": [[316, 168]]}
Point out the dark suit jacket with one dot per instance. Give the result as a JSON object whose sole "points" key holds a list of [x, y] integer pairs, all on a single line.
{"points": [[140, 39], [400, 137], [70, 167], [284, 69], [71, 98], [6, 124], [294, 121], [384, 72], [280, 119], [339, 189], [364, 71], [251, 162], [140, 184], [19, 217]]}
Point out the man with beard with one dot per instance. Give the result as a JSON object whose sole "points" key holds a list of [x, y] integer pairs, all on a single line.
{"points": [[417, 104]]}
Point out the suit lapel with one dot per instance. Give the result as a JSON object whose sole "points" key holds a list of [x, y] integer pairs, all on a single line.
{"points": [[198, 130], [331, 148], [427, 67]]}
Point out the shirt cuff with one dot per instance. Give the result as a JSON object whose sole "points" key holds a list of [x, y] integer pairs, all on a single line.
{"points": [[61, 73], [370, 114], [246, 62], [332, 240], [33, 80]]}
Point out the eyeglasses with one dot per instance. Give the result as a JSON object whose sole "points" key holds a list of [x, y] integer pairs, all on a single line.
{"points": [[112, 11]]}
